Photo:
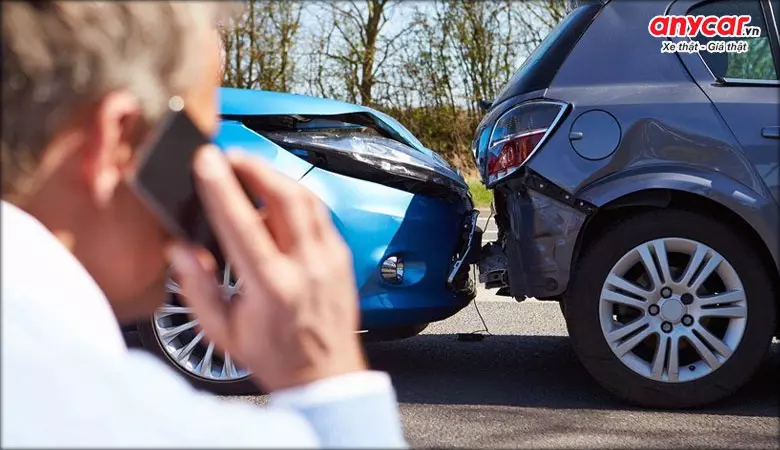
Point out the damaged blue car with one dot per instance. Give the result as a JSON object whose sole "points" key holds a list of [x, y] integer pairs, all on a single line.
{"points": [[405, 213]]}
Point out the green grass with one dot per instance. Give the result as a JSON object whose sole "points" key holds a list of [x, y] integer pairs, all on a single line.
{"points": [[481, 196]]}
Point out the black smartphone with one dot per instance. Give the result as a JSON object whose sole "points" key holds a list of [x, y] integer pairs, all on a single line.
{"points": [[163, 178]]}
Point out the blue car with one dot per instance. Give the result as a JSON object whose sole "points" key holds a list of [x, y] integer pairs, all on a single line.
{"points": [[405, 213]]}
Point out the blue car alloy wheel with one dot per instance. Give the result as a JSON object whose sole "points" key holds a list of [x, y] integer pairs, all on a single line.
{"points": [[405, 213]]}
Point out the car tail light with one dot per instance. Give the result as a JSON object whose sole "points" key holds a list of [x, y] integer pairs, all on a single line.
{"points": [[517, 134]]}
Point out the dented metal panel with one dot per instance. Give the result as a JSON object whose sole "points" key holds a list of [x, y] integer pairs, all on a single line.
{"points": [[542, 236]]}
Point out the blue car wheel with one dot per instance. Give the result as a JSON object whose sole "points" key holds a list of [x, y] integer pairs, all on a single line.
{"points": [[173, 335]]}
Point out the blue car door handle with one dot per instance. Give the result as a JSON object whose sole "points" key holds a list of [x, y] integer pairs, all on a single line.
{"points": [[771, 132]]}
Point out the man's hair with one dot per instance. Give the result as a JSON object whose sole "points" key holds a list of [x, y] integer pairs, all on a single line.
{"points": [[60, 56]]}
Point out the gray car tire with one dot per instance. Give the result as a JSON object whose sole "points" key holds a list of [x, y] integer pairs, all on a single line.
{"points": [[583, 316]]}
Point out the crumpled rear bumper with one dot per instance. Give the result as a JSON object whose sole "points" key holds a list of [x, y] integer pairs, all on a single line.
{"points": [[544, 223]]}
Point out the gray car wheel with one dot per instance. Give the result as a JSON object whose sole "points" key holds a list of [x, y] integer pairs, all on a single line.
{"points": [[670, 309], [675, 310]]}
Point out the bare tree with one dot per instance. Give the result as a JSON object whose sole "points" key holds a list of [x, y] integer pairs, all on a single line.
{"points": [[486, 44], [234, 67], [358, 47], [426, 63], [260, 45], [285, 24], [539, 17]]}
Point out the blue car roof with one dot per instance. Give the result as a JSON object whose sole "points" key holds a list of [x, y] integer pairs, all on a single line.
{"points": [[250, 102]]}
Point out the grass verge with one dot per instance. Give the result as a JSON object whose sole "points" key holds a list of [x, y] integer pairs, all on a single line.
{"points": [[481, 196]]}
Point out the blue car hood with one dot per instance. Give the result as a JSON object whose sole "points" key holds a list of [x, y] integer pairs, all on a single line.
{"points": [[244, 102]]}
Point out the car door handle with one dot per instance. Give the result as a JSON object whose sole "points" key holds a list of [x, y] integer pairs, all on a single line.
{"points": [[771, 132]]}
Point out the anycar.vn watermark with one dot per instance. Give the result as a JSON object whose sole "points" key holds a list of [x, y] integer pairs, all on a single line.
{"points": [[732, 27]]}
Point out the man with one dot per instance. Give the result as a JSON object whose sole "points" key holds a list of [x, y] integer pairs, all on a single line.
{"points": [[83, 84]]}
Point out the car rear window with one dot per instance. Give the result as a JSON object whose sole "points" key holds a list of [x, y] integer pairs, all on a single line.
{"points": [[539, 69], [755, 64]]}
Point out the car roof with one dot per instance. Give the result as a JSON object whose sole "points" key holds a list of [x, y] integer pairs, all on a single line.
{"points": [[240, 102]]}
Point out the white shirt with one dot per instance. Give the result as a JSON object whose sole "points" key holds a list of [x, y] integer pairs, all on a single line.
{"points": [[69, 380]]}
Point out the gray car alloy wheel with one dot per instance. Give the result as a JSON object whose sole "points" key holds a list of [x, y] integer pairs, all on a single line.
{"points": [[187, 347], [673, 310]]}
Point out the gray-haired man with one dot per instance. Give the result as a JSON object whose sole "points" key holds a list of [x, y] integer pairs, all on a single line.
{"points": [[83, 83]]}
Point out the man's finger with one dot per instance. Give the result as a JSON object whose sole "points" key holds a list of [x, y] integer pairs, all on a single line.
{"points": [[195, 276], [288, 208], [241, 234], [322, 221]]}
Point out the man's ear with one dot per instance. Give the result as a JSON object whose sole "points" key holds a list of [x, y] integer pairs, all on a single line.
{"points": [[110, 144]]}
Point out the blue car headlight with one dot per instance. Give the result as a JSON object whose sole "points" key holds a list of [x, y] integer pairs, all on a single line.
{"points": [[371, 157]]}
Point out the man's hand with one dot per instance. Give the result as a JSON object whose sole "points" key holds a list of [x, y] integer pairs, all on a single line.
{"points": [[296, 317]]}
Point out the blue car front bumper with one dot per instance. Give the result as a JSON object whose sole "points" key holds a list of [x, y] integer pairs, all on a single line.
{"points": [[379, 221], [430, 235]]}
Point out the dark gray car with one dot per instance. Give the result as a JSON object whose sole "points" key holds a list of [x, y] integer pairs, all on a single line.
{"points": [[640, 189]]}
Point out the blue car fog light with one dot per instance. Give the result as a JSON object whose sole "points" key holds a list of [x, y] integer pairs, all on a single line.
{"points": [[393, 270]]}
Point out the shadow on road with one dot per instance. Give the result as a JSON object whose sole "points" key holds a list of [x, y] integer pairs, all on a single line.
{"points": [[529, 371]]}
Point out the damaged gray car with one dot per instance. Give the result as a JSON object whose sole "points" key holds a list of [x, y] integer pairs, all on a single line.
{"points": [[640, 190]]}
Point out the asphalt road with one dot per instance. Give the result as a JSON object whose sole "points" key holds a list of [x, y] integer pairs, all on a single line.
{"points": [[522, 387]]}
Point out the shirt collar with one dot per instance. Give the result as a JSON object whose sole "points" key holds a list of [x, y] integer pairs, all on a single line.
{"points": [[43, 280]]}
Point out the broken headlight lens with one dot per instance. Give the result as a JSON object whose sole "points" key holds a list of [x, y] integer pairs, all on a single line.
{"points": [[368, 156]]}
